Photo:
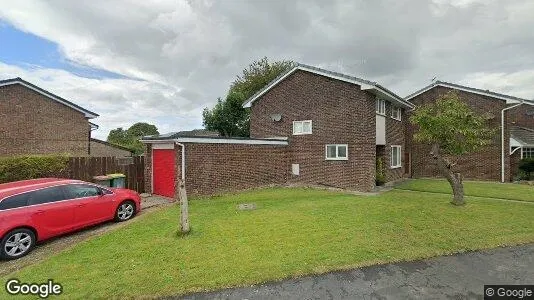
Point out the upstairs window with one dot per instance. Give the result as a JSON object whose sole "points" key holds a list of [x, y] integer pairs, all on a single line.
{"points": [[302, 127], [381, 106], [337, 152], [396, 113], [396, 156]]}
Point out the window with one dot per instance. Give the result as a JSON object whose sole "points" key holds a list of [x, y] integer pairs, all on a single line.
{"points": [[396, 156], [295, 169], [336, 152], [528, 153], [396, 113], [82, 190], [46, 195], [302, 127], [381, 106], [14, 201]]}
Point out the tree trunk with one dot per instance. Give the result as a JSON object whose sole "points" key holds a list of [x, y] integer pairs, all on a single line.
{"points": [[455, 180], [184, 209]]}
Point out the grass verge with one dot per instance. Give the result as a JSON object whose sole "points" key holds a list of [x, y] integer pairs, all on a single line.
{"points": [[483, 189], [293, 232]]}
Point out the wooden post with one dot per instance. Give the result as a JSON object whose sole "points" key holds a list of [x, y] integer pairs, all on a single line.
{"points": [[184, 209]]}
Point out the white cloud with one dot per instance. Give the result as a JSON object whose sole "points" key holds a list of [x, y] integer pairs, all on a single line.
{"points": [[186, 53], [517, 84], [119, 102]]}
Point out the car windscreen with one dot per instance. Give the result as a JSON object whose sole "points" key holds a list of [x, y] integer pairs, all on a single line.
{"points": [[75, 191]]}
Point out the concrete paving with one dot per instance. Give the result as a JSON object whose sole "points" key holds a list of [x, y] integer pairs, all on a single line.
{"points": [[460, 276], [148, 201]]}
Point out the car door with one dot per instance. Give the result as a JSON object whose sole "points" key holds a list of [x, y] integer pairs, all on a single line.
{"points": [[92, 205], [51, 212]]}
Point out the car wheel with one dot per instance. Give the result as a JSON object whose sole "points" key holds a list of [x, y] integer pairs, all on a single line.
{"points": [[125, 211], [17, 243]]}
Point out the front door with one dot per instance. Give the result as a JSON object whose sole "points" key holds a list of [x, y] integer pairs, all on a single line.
{"points": [[163, 172]]}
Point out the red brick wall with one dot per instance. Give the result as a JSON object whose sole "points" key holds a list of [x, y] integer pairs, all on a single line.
{"points": [[341, 114], [31, 123], [522, 115], [484, 164], [148, 168], [218, 168], [99, 149]]}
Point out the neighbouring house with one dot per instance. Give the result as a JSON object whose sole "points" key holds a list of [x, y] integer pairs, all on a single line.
{"points": [[497, 161], [308, 126], [35, 121], [101, 148], [521, 146]]}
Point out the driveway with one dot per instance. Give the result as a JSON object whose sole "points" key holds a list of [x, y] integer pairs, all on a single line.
{"points": [[460, 276], [61, 243]]}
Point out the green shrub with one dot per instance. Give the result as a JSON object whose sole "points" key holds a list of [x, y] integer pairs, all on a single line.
{"points": [[527, 165], [380, 172], [32, 166]]}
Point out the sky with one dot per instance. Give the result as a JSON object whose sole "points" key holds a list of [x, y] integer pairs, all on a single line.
{"points": [[163, 61]]}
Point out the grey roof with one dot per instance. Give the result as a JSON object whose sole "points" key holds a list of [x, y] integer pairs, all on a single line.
{"points": [[524, 136], [52, 96], [177, 134], [458, 86], [336, 74], [111, 144]]}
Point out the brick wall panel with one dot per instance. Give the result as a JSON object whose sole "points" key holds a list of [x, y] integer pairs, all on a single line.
{"points": [[341, 113], [31, 123]]}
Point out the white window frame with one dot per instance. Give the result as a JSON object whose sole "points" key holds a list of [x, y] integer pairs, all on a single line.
{"points": [[399, 156], [397, 109], [337, 152], [302, 126], [525, 150], [380, 106]]}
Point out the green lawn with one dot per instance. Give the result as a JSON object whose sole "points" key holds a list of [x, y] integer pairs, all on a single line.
{"points": [[484, 189], [293, 232]]}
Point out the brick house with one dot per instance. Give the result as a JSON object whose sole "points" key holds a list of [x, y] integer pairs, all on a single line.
{"points": [[308, 126], [35, 121], [99, 148], [486, 164], [336, 125]]}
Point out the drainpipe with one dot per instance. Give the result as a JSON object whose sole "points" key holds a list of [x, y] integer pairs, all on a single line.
{"points": [[502, 137], [183, 160]]}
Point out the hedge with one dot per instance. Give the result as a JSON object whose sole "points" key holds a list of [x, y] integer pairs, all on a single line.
{"points": [[32, 166]]}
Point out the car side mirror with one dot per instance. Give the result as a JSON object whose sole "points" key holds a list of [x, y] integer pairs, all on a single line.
{"points": [[100, 192]]}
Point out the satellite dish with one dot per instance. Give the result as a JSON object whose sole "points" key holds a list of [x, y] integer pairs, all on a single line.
{"points": [[276, 117]]}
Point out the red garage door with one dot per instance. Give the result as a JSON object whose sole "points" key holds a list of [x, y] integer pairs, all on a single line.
{"points": [[163, 172]]}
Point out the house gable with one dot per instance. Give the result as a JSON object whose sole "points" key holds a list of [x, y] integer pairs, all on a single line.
{"points": [[366, 85], [35, 124], [507, 98], [88, 114]]}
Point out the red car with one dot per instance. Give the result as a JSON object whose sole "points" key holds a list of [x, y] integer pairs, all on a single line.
{"points": [[38, 209]]}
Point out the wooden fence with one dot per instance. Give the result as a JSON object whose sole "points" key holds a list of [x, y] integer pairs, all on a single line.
{"points": [[84, 168]]}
